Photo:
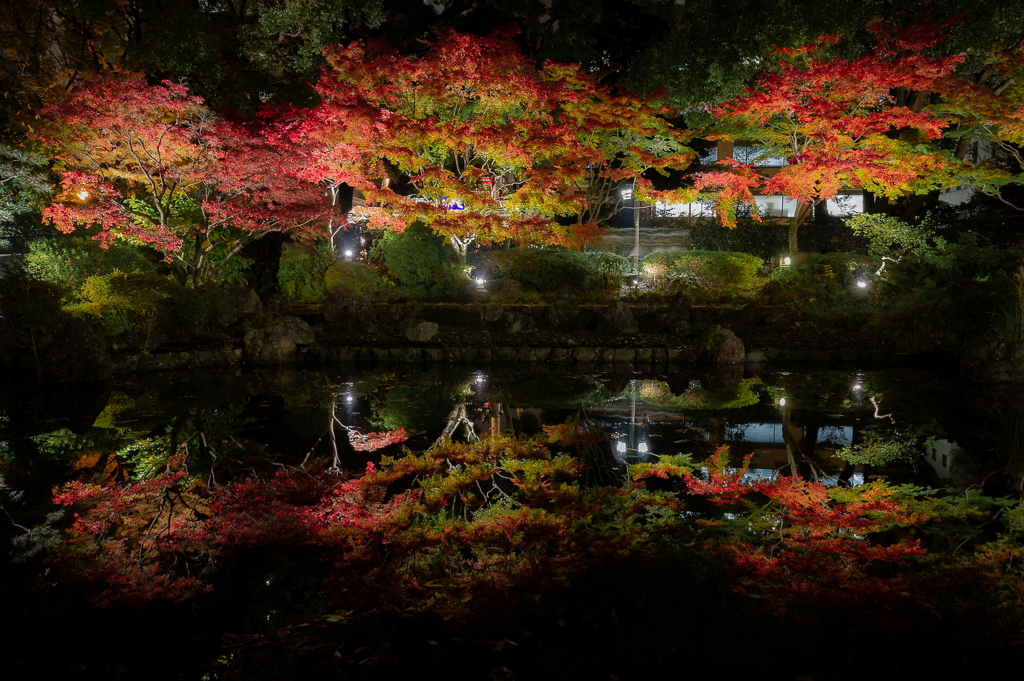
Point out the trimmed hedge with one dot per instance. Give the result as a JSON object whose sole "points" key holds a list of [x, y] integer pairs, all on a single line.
{"points": [[541, 270], [547, 271], [718, 273], [767, 239]]}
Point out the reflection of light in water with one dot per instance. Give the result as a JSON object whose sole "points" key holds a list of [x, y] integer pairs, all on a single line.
{"points": [[479, 378], [782, 401], [621, 447], [856, 386], [754, 474], [642, 448], [348, 398]]}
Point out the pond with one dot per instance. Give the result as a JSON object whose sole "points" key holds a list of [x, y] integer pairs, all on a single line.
{"points": [[284, 479]]}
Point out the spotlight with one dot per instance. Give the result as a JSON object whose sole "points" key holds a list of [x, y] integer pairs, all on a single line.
{"points": [[862, 284]]}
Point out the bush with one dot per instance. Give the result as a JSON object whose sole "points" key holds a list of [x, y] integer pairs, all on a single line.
{"points": [[302, 273], [826, 288], [451, 283], [608, 271], [412, 256], [768, 239], [542, 270], [353, 275], [68, 261], [718, 273], [114, 303]]}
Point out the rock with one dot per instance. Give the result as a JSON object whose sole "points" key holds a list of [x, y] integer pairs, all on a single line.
{"points": [[242, 305], [491, 313], [584, 354], [700, 321], [618, 319], [563, 312], [278, 344], [624, 355], [721, 346], [993, 361], [506, 289], [681, 329], [301, 332], [517, 322], [276, 305], [77, 354], [679, 307], [349, 313], [269, 347], [421, 332]]}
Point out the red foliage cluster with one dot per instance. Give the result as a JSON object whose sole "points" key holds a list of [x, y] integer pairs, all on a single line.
{"points": [[809, 545], [371, 442]]}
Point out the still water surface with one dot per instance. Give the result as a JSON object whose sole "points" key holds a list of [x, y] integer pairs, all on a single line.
{"points": [[782, 418]]}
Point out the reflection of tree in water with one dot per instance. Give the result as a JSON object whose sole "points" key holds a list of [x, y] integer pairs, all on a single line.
{"points": [[707, 393], [211, 439], [421, 404], [459, 417], [360, 442]]}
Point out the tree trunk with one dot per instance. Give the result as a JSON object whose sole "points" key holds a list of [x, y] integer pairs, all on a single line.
{"points": [[803, 211], [461, 247]]}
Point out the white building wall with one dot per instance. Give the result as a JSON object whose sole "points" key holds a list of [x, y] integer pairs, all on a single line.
{"points": [[767, 206]]}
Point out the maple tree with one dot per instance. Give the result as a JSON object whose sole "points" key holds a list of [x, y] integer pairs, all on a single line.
{"points": [[838, 124], [990, 114], [493, 148], [151, 164]]}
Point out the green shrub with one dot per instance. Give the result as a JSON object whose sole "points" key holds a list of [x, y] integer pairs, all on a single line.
{"points": [[353, 275], [824, 274], [451, 283], [608, 271], [412, 256], [68, 261], [767, 239], [302, 274], [718, 273], [114, 303], [542, 270], [826, 288]]}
